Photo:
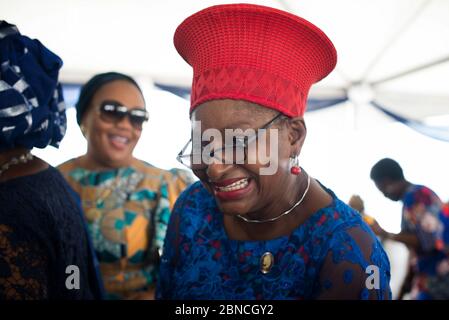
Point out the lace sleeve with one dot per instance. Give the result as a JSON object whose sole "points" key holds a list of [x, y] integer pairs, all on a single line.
{"points": [[23, 268], [355, 267]]}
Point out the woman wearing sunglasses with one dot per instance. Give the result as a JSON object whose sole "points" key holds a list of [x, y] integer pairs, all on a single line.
{"points": [[243, 232], [126, 201]]}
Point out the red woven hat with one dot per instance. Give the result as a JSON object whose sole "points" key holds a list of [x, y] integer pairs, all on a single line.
{"points": [[254, 53]]}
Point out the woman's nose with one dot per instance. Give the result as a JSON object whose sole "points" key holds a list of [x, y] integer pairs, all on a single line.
{"points": [[124, 123], [217, 170]]}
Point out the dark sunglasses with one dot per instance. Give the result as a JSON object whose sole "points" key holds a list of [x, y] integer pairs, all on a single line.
{"points": [[112, 111]]}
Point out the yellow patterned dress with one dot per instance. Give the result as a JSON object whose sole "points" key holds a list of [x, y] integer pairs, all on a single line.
{"points": [[127, 211]]}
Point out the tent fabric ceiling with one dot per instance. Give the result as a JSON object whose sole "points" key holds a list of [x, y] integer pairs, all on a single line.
{"points": [[398, 49]]}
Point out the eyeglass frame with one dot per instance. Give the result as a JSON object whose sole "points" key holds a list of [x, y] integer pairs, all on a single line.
{"points": [[247, 142]]}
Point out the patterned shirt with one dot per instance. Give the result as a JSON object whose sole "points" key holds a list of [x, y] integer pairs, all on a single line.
{"points": [[423, 214], [127, 211], [332, 255]]}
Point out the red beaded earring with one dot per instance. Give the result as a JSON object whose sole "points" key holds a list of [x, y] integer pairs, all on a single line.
{"points": [[294, 165]]}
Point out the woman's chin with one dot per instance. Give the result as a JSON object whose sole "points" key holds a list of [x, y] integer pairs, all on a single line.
{"points": [[235, 202], [118, 161], [233, 210]]}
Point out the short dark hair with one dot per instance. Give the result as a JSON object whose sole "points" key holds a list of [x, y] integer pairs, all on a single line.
{"points": [[91, 87], [386, 168]]}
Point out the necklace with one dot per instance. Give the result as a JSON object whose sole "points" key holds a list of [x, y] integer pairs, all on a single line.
{"points": [[23, 158], [283, 213]]}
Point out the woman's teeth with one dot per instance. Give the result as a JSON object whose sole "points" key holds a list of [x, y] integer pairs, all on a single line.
{"points": [[119, 139], [234, 186]]}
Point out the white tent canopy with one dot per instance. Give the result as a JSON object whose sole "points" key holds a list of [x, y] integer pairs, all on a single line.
{"points": [[376, 41]]}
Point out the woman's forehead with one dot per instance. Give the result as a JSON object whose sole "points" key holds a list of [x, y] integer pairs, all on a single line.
{"points": [[232, 113], [121, 91]]}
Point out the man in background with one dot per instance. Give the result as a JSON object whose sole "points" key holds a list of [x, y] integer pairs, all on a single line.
{"points": [[422, 230]]}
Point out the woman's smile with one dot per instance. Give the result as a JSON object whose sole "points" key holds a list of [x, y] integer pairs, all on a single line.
{"points": [[233, 189], [117, 141]]}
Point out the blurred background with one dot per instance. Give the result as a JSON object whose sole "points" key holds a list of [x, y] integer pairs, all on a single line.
{"points": [[387, 97]]}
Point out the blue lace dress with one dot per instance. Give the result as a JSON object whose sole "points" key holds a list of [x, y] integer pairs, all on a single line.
{"points": [[332, 255]]}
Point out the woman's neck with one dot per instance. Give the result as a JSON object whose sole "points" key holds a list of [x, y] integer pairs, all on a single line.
{"points": [[315, 199], [30, 167], [91, 162], [7, 155]]}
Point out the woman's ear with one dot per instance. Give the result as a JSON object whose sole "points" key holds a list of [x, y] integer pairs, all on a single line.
{"points": [[87, 118], [86, 122], [83, 128], [297, 134]]}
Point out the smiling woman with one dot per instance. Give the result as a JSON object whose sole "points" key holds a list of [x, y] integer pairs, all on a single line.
{"points": [[241, 232], [127, 202]]}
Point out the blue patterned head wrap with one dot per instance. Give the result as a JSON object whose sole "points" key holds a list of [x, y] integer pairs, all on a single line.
{"points": [[32, 109]]}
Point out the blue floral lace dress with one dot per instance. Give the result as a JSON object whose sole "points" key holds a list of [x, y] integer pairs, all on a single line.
{"points": [[332, 255]]}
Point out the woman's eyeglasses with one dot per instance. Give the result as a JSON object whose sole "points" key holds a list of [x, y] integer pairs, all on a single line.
{"points": [[112, 111], [236, 153]]}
